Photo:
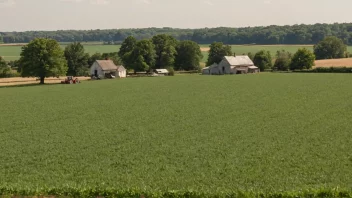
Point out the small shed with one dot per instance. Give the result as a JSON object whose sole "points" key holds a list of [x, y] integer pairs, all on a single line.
{"points": [[102, 68], [162, 72]]}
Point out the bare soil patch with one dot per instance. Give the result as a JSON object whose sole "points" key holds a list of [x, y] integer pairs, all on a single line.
{"points": [[204, 49], [343, 62], [25, 81]]}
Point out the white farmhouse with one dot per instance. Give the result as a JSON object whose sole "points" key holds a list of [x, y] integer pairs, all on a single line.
{"points": [[103, 68], [232, 65]]}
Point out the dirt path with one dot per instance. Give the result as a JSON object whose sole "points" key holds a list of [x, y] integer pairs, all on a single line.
{"points": [[27, 81]]}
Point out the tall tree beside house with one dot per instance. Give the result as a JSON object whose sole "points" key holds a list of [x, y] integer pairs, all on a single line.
{"points": [[43, 58], [143, 56], [263, 60], [165, 50], [302, 59], [77, 59], [125, 51], [330, 48], [188, 56], [217, 51]]}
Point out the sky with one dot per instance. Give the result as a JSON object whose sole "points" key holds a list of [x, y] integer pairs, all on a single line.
{"points": [[24, 15]]}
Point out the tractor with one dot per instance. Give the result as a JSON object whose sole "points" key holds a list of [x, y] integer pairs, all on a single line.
{"points": [[70, 80]]}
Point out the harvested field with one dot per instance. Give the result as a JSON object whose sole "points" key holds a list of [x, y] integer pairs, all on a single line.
{"points": [[25, 81], [343, 62]]}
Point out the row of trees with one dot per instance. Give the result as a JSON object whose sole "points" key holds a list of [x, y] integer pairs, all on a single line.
{"points": [[162, 51], [296, 34], [44, 57]]}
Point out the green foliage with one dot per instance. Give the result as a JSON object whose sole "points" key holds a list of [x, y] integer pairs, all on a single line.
{"points": [[43, 58], [328, 70], [283, 60], [112, 56], [5, 70], [125, 51], [165, 50], [217, 51], [143, 56], [302, 59], [262, 59], [94, 57], [250, 55], [77, 59], [171, 71], [330, 48], [296, 34], [188, 56], [69, 143]]}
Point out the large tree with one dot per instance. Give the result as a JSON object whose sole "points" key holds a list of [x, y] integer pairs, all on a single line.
{"points": [[283, 60], [188, 56], [43, 58], [217, 51], [77, 59], [125, 51], [165, 50], [302, 59], [330, 48], [143, 56], [263, 60]]}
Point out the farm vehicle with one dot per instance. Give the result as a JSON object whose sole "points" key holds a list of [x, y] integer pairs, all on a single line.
{"points": [[70, 80]]}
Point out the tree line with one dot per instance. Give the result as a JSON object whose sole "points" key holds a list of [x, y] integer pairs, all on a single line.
{"points": [[295, 34], [44, 57]]}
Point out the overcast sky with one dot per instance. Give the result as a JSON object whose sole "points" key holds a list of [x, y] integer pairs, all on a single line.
{"points": [[20, 15]]}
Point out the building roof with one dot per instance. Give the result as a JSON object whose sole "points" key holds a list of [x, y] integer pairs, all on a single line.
{"points": [[239, 60], [162, 71], [121, 68], [107, 65], [205, 68]]}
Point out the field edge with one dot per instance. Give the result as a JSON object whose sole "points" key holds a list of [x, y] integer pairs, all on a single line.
{"points": [[111, 192]]}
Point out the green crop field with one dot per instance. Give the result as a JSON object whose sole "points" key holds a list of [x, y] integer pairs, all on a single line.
{"points": [[193, 134], [13, 52]]}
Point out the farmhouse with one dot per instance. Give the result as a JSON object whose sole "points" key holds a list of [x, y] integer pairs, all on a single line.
{"points": [[232, 65], [104, 68]]}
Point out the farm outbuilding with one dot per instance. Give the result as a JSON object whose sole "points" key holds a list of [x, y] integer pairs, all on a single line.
{"points": [[232, 65], [103, 68], [162, 72]]}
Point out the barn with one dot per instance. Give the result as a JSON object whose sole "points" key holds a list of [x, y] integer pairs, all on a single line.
{"points": [[105, 68], [232, 65]]}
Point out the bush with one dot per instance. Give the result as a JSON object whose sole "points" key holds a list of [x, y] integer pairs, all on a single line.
{"points": [[302, 59], [171, 71], [327, 70], [263, 60]]}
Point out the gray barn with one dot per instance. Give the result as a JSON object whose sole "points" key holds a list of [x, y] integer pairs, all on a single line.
{"points": [[232, 65]]}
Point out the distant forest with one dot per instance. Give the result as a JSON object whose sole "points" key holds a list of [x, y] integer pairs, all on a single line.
{"points": [[295, 34]]}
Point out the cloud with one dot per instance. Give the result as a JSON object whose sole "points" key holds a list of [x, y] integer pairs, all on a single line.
{"points": [[267, 2], [7, 3]]}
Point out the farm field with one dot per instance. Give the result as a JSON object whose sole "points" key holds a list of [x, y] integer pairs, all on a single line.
{"points": [[13, 52], [214, 135]]}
